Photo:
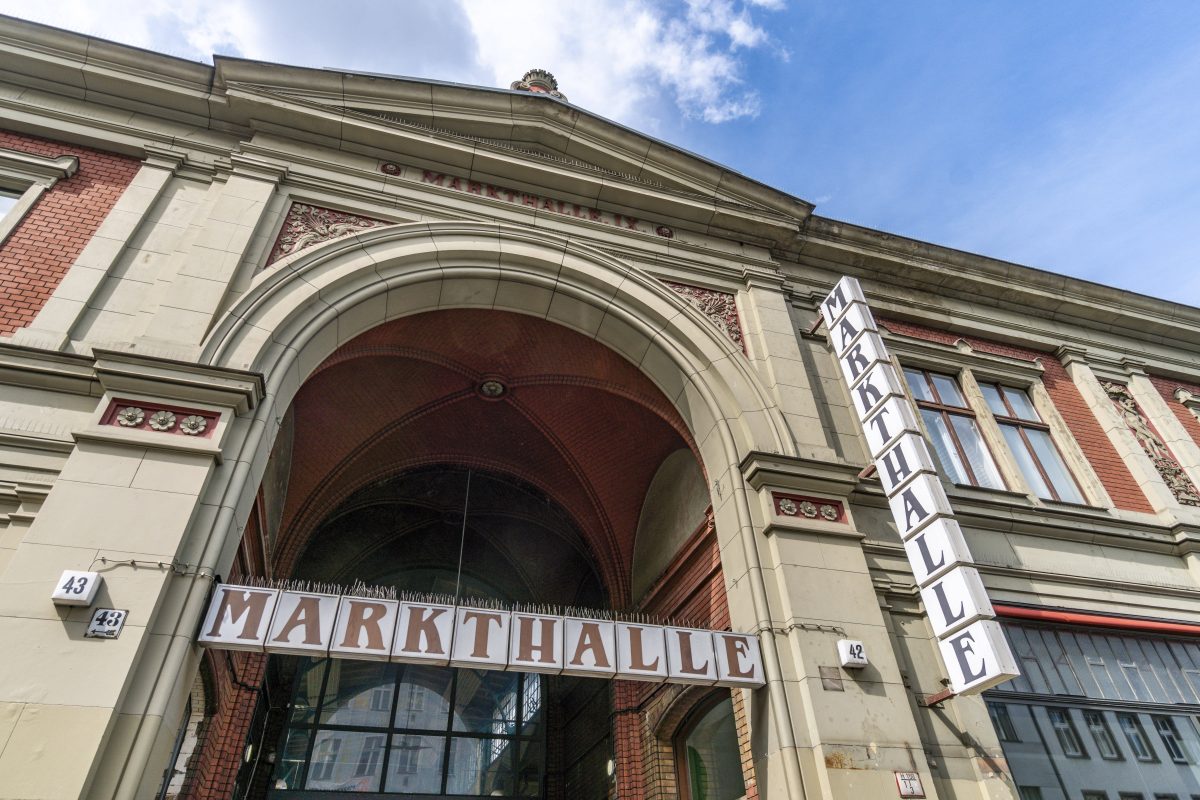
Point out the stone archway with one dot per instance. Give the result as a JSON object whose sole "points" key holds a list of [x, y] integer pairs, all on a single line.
{"points": [[298, 313]]}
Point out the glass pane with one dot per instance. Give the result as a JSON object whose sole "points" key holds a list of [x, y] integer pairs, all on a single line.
{"points": [[480, 766], [289, 764], [531, 764], [308, 690], [347, 761], [977, 453], [486, 702], [1021, 404], [7, 201], [1131, 726], [1012, 436], [415, 764], [714, 762], [947, 389], [992, 395], [424, 698], [358, 693], [943, 446], [531, 705], [1106, 745], [917, 385], [1052, 462]]}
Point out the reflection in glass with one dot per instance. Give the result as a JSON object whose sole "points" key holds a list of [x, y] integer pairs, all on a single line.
{"points": [[943, 446], [423, 699], [947, 389], [357, 693], [917, 385], [1064, 729], [714, 763], [977, 453], [289, 764], [480, 766], [308, 691], [486, 702], [416, 764], [1138, 743], [1052, 462], [348, 761], [1106, 745]]}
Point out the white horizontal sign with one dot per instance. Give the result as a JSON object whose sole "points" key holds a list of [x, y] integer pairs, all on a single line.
{"points": [[304, 623], [972, 644]]}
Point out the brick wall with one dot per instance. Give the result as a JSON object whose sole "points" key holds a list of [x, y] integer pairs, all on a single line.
{"points": [[43, 246], [1166, 387], [1096, 446]]}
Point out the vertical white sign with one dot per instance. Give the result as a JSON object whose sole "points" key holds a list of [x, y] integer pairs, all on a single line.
{"points": [[971, 642]]}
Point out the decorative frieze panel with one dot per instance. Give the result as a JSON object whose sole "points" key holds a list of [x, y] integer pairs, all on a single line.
{"points": [[719, 307], [803, 507], [1167, 465], [140, 415], [307, 225]]}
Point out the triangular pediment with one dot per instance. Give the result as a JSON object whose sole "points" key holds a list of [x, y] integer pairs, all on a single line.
{"points": [[511, 126]]}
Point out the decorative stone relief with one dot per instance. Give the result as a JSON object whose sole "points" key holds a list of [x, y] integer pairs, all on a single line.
{"points": [[1168, 467], [790, 505], [307, 225], [160, 419], [719, 307], [193, 425]]}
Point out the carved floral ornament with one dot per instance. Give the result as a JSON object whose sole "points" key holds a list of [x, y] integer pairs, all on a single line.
{"points": [[807, 507], [160, 420], [1168, 467], [719, 307], [306, 225]]}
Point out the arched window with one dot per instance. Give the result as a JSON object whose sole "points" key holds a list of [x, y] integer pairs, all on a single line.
{"points": [[708, 758]]}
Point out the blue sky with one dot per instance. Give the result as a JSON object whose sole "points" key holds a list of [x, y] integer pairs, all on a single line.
{"points": [[1062, 135]]}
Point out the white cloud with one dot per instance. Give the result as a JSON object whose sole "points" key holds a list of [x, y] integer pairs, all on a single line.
{"points": [[623, 59]]}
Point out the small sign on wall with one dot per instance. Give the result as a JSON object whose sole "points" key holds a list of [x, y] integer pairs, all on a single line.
{"points": [[76, 588], [106, 623], [909, 784]]}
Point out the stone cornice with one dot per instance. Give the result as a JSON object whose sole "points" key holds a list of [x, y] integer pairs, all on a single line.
{"points": [[926, 281], [800, 474], [919, 352], [179, 380], [37, 169]]}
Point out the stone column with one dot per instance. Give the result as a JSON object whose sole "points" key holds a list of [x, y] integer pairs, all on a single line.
{"points": [[82, 716]]}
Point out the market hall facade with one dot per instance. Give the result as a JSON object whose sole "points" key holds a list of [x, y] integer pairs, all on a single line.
{"points": [[321, 353]]}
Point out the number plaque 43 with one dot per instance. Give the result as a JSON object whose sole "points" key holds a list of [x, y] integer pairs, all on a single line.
{"points": [[76, 588]]}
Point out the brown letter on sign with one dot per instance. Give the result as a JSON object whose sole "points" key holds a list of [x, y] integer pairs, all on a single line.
{"points": [[421, 623], [308, 614], [364, 616], [238, 603]]}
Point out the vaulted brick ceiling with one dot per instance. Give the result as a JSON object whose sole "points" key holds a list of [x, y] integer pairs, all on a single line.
{"points": [[577, 421]]}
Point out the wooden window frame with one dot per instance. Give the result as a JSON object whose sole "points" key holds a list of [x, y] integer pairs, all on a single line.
{"points": [[1021, 425], [946, 410]]}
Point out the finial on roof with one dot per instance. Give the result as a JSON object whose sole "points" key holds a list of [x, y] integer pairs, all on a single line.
{"points": [[539, 81]]}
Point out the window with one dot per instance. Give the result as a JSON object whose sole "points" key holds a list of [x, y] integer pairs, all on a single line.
{"points": [[708, 755], [1064, 729], [8, 200], [1094, 795], [1170, 739], [953, 430], [1131, 796], [361, 726], [1029, 440], [1138, 743], [1029, 792], [23, 179], [1106, 745], [1002, 722]]}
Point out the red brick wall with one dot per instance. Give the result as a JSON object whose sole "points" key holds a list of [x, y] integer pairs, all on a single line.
{"points": [[691, 591], [1100, 453], [39, 251], [1166, 388]]}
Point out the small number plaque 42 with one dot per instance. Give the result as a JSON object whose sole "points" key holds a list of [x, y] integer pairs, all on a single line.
{"points": [[106, 623]]}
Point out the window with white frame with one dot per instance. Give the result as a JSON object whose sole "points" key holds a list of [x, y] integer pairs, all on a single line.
{"points": [[23, 179]]}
